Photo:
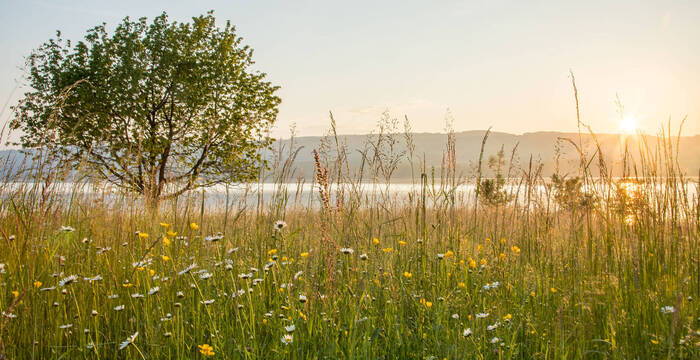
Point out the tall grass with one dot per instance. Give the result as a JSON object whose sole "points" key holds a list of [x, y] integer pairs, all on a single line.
{"points": [[607, 266]]}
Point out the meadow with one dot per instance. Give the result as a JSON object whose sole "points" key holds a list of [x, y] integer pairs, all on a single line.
{"points": [[593, 265]]}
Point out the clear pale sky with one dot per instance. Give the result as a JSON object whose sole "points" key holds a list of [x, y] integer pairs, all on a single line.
{"points": [[491, 63]]}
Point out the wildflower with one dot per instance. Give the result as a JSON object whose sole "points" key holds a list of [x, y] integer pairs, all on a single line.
{"points": [[143, 235], [302, 298], [194, 226], [668, 310], [494, 326], [428, 304], [214, 238], [655, 342], [479, 248], [388, 250], [128, 341], [165, 258], [461, 284], [482, 262], [553, 290], [279, 225], [137, 296], [407, 274], [347, 251], [94, 313], [449, 254], [67, 280], [206, 350], [290, 328], [375, 241], [15, 294], [532, 293], [171, 233], [503, 240], [165, 225], [495, 340], [153, 290], [287, 339], [66, 326], [502, 256], [363, 256], [472, 263], [272, 252], [507, 317], [492, 285], [205, 275], [67, 229], [119, 308], [402, 243], [304, 255], [187, 269], [515, 249], [92, 279], [455, 316], [207, 302], [467, 332], [482, 315], [441, 256], [166, 241]]}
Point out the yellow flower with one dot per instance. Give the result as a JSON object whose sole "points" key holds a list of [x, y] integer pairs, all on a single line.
{"points": [[502, 256], [143, 235], [166, 241], [140, 268], [515, 249], [171, 233], [304, 254], [152, 272], [165, 257], [508, 317], [407, 274], [461, 284], [302, 315], [194, 226], [553, 290], [487, 240], [37, 284], [284, 258], [375, 241], [655, 342], [272, 251], [402, 243], [472, 263], [165, 225], [428, 304], [376, 282], [482, 261], [206, 350], [532, 293], [449, 254], [127, 285], [503, 240], [15, 294], [479, 248], [388, 250]]}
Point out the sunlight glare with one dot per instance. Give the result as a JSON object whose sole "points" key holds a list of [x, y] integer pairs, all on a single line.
{"points": [[628, 125]]}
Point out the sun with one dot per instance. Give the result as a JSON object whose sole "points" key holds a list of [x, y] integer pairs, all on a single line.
{"points": [[628, 125]]}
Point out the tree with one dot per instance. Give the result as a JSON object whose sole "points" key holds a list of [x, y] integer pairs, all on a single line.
{"points": [[159, 108]]}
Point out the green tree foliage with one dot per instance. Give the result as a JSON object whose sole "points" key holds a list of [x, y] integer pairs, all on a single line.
{"points": [[159, 108]]}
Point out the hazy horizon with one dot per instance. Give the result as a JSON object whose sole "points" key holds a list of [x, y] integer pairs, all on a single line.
{"points": [[504, 64]]}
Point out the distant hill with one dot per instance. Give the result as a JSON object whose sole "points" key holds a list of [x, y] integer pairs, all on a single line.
{"points": [[542, 146]]}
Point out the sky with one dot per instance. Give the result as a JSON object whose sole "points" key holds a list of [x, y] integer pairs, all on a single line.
{"points": [[500, 64]]}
